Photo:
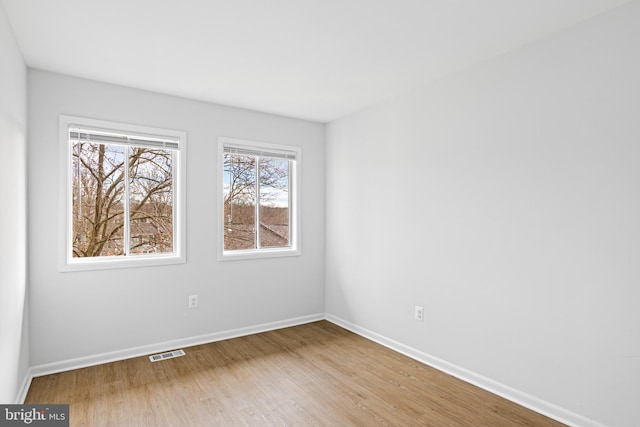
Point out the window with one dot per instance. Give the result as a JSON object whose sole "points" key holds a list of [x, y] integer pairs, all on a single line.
{"points": [[124, 195], [258, 199]]}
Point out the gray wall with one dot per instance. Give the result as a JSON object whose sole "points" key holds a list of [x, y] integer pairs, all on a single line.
{"points": [[504, 199], [81, 314], [14, 330]]}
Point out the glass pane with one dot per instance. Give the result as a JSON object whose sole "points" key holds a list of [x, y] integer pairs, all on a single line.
{"points": [[98, 190], [239, 202], [151, 201], [274, 202]]}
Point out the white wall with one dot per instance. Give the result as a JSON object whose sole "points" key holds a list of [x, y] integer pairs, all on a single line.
{"points": [[82, 314], [505, 200], [14, 334]]}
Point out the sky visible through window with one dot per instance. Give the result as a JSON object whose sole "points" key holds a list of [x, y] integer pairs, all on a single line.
{"points": [[276, 195]]}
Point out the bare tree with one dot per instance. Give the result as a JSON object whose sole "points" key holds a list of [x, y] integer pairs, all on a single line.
{"points": [[99, 199]]}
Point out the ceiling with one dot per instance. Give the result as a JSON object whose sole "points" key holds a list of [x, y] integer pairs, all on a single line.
{"points": [[312, 59]]}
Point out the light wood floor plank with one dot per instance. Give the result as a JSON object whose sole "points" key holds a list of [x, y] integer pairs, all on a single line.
{"points": [[316, 374]]}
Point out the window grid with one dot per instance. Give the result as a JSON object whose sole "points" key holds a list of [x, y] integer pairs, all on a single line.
{"points": [[285, 160], [152, 160]]}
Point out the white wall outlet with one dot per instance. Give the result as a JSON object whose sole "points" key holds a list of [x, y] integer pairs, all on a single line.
{"points": [[419, 313], [193, 301]]}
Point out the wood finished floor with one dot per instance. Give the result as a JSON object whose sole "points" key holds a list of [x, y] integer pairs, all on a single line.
{"points": [[316, 374]]}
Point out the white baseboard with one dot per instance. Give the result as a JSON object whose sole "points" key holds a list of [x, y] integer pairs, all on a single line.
{"points": [[98, 359], [531, 402], [24, 388]]}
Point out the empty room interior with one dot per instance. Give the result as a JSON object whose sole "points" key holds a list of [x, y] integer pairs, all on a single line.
{"points": [[343, 212]]}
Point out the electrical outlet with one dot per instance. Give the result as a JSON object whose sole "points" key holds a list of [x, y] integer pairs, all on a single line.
{"points": [[419, 313], [193, 301]]}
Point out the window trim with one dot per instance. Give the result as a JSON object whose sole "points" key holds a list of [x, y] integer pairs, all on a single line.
{"points": [[295, 200], [66, 261]]}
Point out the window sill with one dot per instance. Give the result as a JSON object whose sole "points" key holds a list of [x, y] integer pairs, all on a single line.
{"points": [[103, 263], [257, 254]]}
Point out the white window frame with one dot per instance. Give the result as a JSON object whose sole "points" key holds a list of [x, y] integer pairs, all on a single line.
{"points": [[294, 248], [66, 260]]}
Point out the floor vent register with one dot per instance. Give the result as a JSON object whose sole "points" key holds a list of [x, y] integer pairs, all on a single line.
{"points": [[167, 355]]}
